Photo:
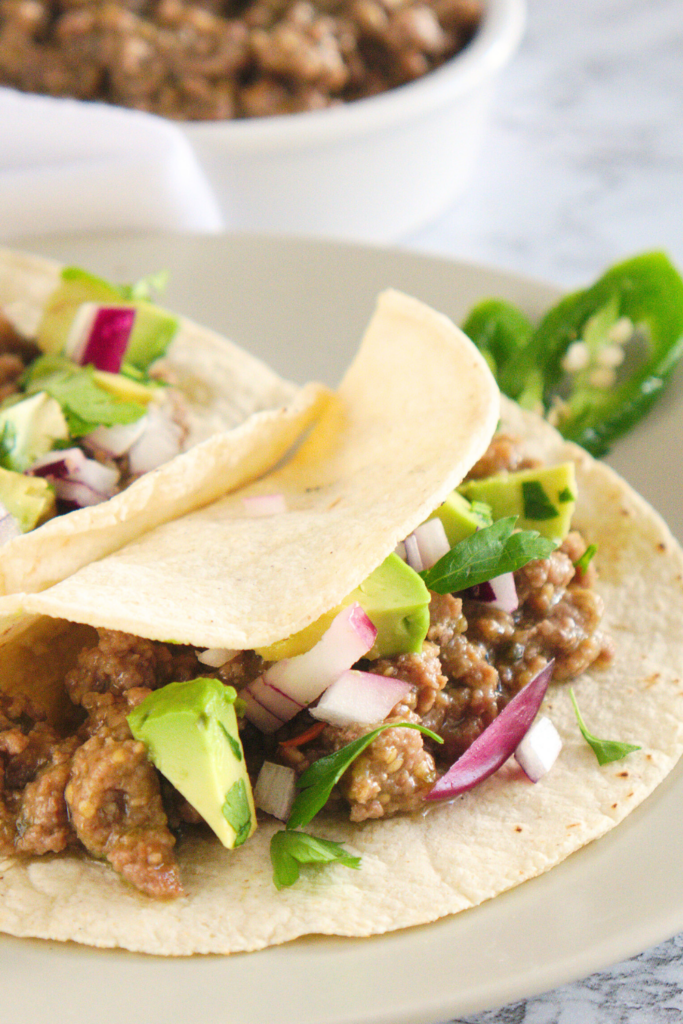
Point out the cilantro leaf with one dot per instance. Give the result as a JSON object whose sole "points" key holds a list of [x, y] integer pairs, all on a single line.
{"points": [[537, 504], [318, 781], [485, 554], [288, 850], [146, 287], [84, 403], [237, 812], [605, 750]]}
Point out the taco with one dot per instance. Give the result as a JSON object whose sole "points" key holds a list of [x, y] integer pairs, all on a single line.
{"points": [[116, 415], [414, 417]]}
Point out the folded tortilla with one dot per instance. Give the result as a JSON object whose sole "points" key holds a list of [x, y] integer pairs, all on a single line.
{"points": [[375, 464], [242, 419]]}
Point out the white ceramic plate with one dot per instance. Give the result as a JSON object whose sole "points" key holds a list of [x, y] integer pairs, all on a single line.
{"points": [[302, 305]]}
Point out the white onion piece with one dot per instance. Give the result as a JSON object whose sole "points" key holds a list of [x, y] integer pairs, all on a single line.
{"points": [[289, 685], [115, 441], [9, 527], [214, 657], [359, 697], [160, 441], [538, 751], [275, 789], [400, 550], [265, 504]]}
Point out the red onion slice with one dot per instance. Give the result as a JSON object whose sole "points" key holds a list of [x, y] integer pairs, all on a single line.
{"points": [[265, 504], [160, 441], [499, 592], [9, 527], [275, 789], [360, 697], [426, 545], [539, 749], [99, 335], [290, 685], [214, 657], [76, 478], [497, 742]]}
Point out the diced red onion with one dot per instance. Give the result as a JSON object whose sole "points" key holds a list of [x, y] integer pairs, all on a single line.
{"points": [[290, 685], [539, 749], [115, 441], [275, 789], [499, 592], [99, 335], [265, 504], [497, 742], [214, 657], [400, 550], [9, 527], [426, 545], [362, 697], [159, 442], [76, 478], [412, 550]]}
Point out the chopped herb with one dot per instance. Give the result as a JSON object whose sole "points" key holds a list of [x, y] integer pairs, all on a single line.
{"points": [[232, 742], [237, 812], [318, 781], [566, 495], [581, 564], [605, 750], [537, 504], [288, 850], [84, 403], [485, 554]]}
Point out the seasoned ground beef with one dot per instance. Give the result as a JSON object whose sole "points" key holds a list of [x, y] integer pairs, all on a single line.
{"points": [[218, 59], [15, 355], [95, 787]]}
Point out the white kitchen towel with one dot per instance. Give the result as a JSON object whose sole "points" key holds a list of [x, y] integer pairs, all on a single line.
{"points": [[69, 166]]}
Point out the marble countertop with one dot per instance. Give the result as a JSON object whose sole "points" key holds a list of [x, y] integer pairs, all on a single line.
{"points": [[582, 166]]}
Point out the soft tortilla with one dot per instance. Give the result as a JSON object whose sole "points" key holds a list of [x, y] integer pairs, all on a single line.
{"points": [[417, 869], [242, 420]]}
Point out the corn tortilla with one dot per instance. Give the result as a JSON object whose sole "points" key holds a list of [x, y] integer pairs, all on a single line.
{"points": [[418, 868]]}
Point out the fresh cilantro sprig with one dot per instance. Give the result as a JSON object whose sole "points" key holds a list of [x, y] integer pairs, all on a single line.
{"points": [[289, 850], [316, 784], [485, 554], [605, 750], [84, 403]]}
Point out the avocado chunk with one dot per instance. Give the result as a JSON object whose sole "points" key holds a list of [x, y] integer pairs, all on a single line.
{"points": [[190, 731], [29, 429], [30, 499], [395, 600], [543, 498], [460, 517], [153, 329]]}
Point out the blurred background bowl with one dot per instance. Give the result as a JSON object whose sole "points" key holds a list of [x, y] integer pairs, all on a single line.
{"points": [[370, 170]]}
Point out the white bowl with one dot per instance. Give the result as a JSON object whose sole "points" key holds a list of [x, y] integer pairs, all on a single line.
{"points": [[371, 170]]}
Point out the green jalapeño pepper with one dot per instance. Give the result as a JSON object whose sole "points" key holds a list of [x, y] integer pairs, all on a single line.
{"points": [[600, 357], [499, 330]]}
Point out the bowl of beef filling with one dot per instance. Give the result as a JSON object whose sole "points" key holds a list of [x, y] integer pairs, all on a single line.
{"points": [[358, 118]]}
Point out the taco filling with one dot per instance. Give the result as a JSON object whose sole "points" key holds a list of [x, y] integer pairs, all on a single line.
{"points": [[93, 785]]}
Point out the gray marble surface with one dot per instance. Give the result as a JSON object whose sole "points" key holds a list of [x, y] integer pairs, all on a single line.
{"points": [[583, 166]]}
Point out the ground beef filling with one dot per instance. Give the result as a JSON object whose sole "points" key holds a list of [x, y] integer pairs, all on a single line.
{"points": [[217, 59], [95, 789]]}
